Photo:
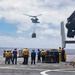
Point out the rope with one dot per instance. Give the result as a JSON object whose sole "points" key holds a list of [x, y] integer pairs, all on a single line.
{"points": [[34, 27]]}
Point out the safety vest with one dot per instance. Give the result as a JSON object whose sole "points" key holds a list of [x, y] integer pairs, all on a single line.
{"points": [[25, 52], [6, 54], [43, 52], [10, 53]]}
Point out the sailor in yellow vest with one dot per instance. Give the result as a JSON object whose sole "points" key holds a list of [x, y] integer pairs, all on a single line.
{"points": [[7, 60], [10, 57], [43, 53], [25, 53], [60, 50]]}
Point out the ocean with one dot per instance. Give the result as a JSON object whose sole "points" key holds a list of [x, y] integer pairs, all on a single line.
{"points": [[68, 51]]}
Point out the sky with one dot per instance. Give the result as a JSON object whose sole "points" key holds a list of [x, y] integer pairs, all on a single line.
{"points": [[16, 29]]}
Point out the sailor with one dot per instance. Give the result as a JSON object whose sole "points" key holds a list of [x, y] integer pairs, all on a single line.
{"points": [[56, 55], [38, 55], [33, 57], [62, 55], [4, 53], [7, 60], [43, 53], [25, 53], [10, 56], [15, 56]]}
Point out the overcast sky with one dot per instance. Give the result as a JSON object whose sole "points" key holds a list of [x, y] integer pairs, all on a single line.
{"points": [[16, 28]]}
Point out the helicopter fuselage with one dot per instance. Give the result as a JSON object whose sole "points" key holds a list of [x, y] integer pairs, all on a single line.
{"points": [[34, 20]]}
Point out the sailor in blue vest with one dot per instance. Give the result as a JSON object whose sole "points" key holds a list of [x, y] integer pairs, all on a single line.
{"points": [[33, 56], [15, 56], [56, 55]]}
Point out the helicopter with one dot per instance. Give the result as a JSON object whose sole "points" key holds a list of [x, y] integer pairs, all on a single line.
{"points": [[34, 20]]}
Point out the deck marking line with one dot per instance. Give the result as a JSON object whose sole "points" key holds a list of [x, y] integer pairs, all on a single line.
{"points": [[44, 72], [56, 70]]}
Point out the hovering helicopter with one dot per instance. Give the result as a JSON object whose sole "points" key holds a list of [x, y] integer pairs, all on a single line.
{"points": [[34, 20]]}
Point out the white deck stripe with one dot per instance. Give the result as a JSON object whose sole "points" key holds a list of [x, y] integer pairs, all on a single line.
{"points": [[44, 72], [57, 70]]}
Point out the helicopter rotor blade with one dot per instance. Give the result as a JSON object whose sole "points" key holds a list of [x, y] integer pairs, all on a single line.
{"points": [[39, 15], [32, 16], [28, 15]]}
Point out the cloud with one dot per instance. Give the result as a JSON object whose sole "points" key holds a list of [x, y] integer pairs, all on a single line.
{"points": [[53, 13], [50, 33], [8, 41]]}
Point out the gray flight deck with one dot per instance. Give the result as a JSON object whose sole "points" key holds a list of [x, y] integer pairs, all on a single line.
{"points": [[61, 68]]}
